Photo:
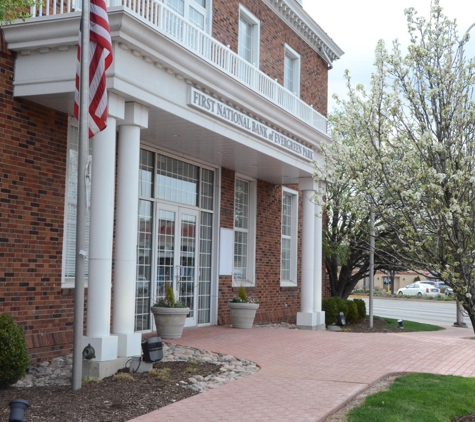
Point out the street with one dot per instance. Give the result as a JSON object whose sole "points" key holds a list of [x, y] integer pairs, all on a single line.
{"points": [[426, 311]]}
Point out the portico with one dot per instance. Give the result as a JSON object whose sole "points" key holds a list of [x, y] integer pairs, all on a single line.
{"points": [[196, 129]]}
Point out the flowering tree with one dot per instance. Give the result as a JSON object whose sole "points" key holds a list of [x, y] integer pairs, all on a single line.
{"points": [[346, 234], [413, 150]]}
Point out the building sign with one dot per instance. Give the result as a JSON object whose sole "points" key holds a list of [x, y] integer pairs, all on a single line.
{"points": [[210, 105]]}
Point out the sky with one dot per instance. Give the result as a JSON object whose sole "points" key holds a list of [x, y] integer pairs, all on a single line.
{"points": [[357, 25]]}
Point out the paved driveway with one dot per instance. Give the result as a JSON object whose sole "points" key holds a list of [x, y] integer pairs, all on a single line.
{"points": [[307, 375]]}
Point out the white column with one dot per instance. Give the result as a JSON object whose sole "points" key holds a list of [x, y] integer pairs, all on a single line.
{"points": [[129, 342], [318, 285], [317, 291], [101, 237], [307, 318]]}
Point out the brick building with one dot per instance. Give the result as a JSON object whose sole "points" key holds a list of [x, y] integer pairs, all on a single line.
{"points": [[202, 179]]}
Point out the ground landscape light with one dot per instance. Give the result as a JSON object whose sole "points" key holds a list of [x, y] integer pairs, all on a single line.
{"points": [[17, 410], [400, 323], [340, 319]]}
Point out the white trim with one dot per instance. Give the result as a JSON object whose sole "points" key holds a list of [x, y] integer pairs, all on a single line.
{"points": [[295, 57], [295, 16], [294, 236], [69, 282], [215, 251], [209, 18], [250, 280], [255, 34]]}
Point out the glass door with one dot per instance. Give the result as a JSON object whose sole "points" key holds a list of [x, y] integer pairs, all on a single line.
{"points": [[177, 255]]}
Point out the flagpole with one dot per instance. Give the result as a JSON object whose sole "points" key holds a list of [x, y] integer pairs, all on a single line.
{"points": [[83, 152]]}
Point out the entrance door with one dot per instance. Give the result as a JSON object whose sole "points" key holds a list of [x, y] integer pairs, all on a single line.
{"points": [[177, 255]]}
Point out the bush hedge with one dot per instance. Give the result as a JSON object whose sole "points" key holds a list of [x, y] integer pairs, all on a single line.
{"points": [[332, 307], [351, 315], [14, 357], [354, 310], [360, 303]]}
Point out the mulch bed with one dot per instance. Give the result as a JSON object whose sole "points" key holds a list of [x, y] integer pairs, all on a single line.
{"points": [[107, 400], [379, 326]]}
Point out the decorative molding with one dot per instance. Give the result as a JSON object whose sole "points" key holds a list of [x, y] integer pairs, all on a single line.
{"points": [[292, 13]]}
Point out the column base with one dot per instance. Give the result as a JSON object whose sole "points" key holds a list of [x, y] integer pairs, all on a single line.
{"points": [[129, 344], [105, 347], [104, 369], [311, 321], [140, 366]]}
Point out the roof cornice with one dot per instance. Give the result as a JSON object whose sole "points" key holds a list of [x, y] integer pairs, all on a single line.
{"points": [[292, 13]]}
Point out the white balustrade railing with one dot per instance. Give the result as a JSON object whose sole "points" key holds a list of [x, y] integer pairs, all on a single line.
{"points": [[175, 27]]}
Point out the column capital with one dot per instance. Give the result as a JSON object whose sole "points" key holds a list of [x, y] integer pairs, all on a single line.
{"points": [[116, 105], [307, 183], [136, 115], [322, 185]]}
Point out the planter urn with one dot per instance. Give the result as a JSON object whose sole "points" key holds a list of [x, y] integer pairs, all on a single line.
{"points": [[169, 322], [242, 314]]}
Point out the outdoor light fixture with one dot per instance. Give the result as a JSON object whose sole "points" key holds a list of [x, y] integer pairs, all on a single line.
{"points": [[88, 352], [400, 323], [340, 319], [152, 349], [17, 410]]}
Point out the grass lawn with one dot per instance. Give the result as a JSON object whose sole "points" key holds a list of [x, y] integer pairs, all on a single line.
{"points": [[419, 398], [411, 325]]}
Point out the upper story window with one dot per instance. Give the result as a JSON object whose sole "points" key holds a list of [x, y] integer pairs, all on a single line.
{"points": [[193, 10], [248, 43], [244, 232], [288, 261], [292, 70]]}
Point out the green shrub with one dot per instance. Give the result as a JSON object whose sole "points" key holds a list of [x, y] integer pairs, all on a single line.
{"points": [[352, 316], [332, 307], [342, 305], [14, 357], [361, 305], [417, 278]]}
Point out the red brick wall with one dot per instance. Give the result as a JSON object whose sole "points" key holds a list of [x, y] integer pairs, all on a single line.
{"points": [[32, 183], [277, 304], [274, 34]]}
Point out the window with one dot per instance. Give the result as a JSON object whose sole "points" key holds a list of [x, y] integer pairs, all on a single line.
{"points": [[192, 10], [244, 232], [292, 70], [69, 242], [288, 261], [248, 43]]}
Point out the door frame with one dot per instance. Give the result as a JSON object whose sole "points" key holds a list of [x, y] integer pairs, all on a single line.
{"points": [[179, 210]]}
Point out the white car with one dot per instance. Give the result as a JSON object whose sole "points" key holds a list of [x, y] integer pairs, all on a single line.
{"points": [[419, 289]]}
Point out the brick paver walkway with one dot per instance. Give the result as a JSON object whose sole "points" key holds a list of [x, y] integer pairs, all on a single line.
{"points": [[307, 375]]}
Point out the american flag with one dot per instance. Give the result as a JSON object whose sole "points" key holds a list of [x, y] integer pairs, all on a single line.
{"points": [[100, 58]]}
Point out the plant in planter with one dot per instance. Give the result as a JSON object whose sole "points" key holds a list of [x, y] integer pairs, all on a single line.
{"points": [[243, 309], [170, 315]]}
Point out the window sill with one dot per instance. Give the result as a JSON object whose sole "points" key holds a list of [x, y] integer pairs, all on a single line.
{"points": [[69, 283], [287, 283]]}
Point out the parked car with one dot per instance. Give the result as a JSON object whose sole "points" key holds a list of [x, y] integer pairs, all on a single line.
{"points": [[441, 286], [419, 289], [449, 291]]}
